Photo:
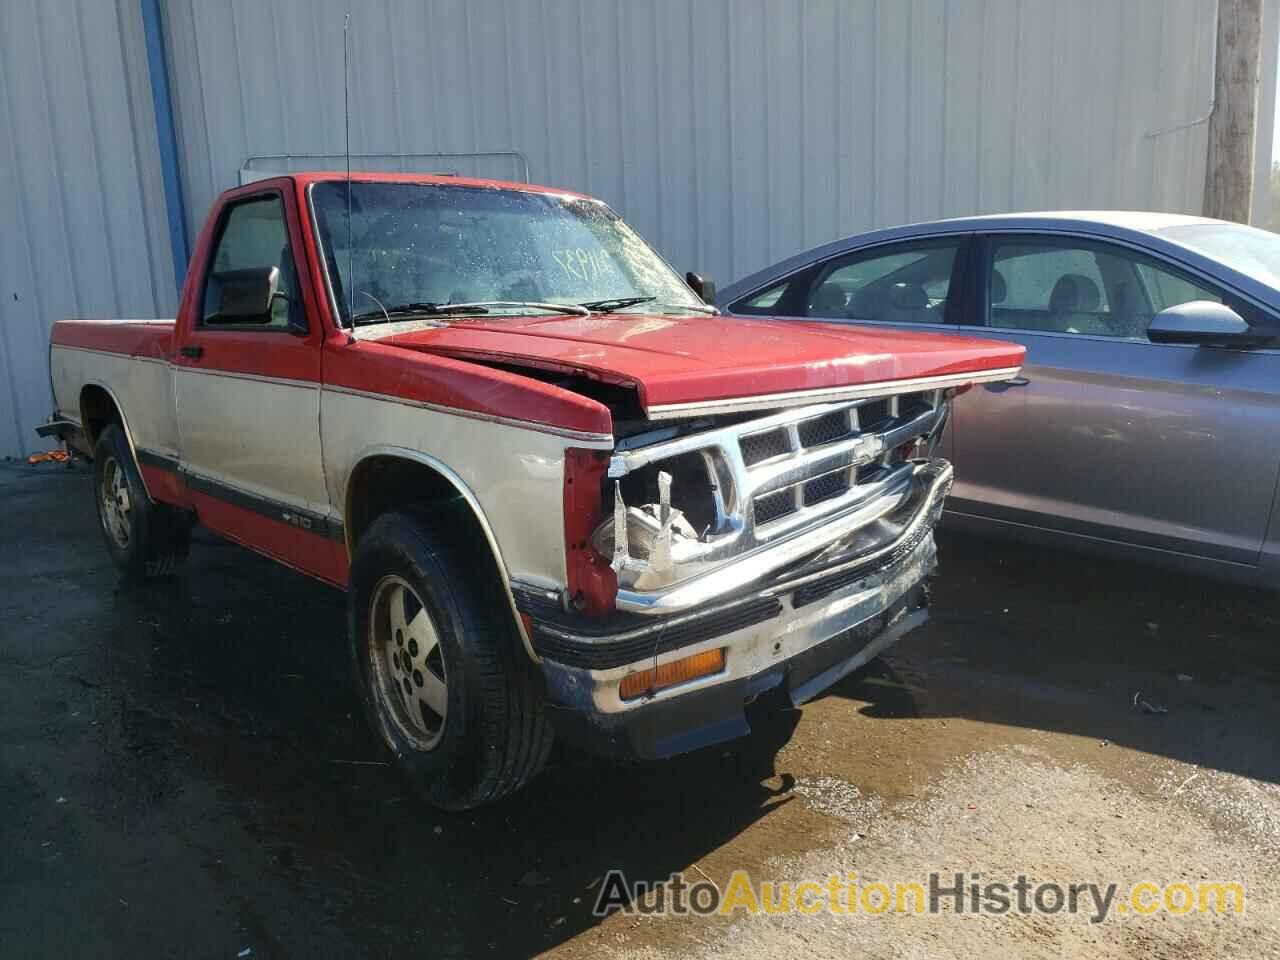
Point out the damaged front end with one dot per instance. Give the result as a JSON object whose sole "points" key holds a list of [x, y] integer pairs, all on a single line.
{"points": [[662, 536], [738, 556], [721, 508]]}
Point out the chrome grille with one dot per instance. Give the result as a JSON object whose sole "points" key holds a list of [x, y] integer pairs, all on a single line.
{"points": [[913, 404], [861, 437], [787, 473], [758, 447], [772, 506], [869, 472], [873, 414], [825, 487], [828, 429]]}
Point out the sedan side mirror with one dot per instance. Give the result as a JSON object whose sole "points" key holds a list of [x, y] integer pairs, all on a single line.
{"points": [[703, 287], [245, 296], [1201, 322]]}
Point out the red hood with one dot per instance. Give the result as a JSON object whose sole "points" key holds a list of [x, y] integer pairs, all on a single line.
{"points": [[687, 359]]}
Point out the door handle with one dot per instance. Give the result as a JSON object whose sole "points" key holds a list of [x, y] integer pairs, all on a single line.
{"points": [[195, 353], [1000, 386]]}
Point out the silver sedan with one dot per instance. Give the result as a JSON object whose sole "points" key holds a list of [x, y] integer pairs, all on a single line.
{"points": [[1146, 420]]}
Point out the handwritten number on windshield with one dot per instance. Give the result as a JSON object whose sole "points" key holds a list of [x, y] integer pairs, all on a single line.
{"points": [[580, 263]]}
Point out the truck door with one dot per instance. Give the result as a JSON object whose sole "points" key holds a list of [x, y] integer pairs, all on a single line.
{"points": [[248, 387]]}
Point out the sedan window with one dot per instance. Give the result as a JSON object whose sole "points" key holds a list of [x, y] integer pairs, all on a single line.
{"points": [[763, 303], [1168, 290], [903, 284], [1057, 286], [1032, 272], [1254, 252]]}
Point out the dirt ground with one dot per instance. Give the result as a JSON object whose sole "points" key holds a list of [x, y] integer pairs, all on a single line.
{"points": [[184, 772]]}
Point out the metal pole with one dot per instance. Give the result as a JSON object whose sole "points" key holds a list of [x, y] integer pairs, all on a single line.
{"points": [[167, 138], [1228, 187]]}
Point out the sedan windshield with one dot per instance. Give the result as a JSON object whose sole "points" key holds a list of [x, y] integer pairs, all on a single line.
{"points": [[1247, 250], [413, 244]]}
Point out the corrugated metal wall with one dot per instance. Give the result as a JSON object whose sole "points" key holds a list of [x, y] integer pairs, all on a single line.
{"points": [[81, 210], [730, 132]]}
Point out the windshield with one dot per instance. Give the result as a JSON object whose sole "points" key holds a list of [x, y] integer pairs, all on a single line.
{"points": [[437, 244], [1248, 250]]}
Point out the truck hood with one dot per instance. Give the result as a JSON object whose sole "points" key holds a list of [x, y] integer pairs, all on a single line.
{"points": [[689, 364]]}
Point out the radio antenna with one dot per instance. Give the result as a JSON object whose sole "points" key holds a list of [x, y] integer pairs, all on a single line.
{"points": [[346, 135]]}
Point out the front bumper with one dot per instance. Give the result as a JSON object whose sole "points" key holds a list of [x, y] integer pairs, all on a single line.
{"points": [[803, 631]]}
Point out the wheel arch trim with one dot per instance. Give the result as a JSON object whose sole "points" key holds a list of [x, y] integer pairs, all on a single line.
{"points": [[124, 425], [473, 503]]}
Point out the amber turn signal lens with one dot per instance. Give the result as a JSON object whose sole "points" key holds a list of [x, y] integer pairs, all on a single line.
{"points": [[669, 674]]}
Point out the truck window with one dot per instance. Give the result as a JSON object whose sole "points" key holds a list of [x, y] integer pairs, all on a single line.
{"points": [[254, 236], [455, 244]]}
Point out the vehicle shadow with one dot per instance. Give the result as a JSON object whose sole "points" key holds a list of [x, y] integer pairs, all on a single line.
{"points": [[278, 730], [1134, 655], [228, 746]]}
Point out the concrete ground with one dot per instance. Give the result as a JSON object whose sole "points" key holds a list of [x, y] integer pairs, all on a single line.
{"points": [[184, 772]]}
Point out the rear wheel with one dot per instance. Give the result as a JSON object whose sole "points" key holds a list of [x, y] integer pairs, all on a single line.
{"points": [[145, 539], [439, 666]]}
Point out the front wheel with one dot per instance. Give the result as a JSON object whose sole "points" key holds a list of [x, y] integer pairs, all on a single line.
{"points": [[439, 667]]}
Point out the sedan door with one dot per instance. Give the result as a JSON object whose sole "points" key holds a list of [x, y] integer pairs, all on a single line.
{"points": [[1104, 434]]}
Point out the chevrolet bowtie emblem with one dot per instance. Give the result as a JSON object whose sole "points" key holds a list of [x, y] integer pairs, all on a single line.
{"points": [[867, 449]]}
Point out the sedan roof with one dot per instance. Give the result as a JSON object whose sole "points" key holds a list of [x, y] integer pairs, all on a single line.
{"points": [[1141, 228], [1127, 219]]}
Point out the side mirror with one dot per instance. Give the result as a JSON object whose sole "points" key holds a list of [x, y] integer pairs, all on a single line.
{"points": [[245, 296], [1201, 322], [704, 288]]}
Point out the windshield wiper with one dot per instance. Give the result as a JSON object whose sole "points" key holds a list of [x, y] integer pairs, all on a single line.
{"points": [[621, 303], [422, 308], [693, 307], [569, 308], [428, 309], [615, 303]]}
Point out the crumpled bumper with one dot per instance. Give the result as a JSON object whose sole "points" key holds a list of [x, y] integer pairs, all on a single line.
{"points": [[802, 629]]}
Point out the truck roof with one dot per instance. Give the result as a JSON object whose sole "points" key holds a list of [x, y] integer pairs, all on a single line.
{"points": [[306, 178]]}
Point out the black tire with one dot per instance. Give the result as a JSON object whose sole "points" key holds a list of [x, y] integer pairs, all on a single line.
{"points": [[145, 539], [494, 736]]}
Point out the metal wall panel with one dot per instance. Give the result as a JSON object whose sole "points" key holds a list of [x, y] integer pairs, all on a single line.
{"points": [[82, 207], [730, 132]]}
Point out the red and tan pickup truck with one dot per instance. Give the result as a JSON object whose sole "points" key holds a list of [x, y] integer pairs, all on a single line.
{"points": [[563, 495]]}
